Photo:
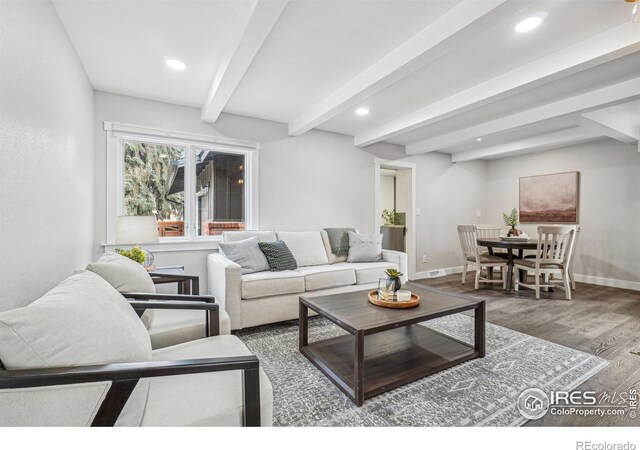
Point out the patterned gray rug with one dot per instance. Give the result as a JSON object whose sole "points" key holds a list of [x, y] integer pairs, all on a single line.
{"points": [[481, 392]]}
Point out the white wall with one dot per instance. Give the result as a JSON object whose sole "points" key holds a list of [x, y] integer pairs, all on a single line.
{"points": [[46, 154], [609, 239], [388, 192], [308, 182], [447, 194]]}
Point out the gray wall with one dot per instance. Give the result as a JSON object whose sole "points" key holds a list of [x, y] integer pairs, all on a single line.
{"points": [[609, 239], [447, 194], [46, 154], [308, 182]]}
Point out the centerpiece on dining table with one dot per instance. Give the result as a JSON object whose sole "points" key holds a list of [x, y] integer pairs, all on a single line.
{"points": [[511, 220]]}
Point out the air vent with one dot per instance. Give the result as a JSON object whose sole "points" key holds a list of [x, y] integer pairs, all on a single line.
{"points": [[436, 273]]}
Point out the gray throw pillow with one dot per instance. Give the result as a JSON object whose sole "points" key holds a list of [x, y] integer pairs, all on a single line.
{"points": [[247, 254], [279, 256], [364, 247]]}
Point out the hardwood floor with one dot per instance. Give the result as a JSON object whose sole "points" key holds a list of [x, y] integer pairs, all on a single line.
{"points": [[600, 320]]}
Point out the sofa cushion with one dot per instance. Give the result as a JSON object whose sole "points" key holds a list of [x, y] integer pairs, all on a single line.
{"points": [[264, 284], [125, 275], [278, 255], [205, 399], [369, 272], [263, 236], [172, 327], [82, 321], [333, 259], [247, 254], [307, 247], [323, 277], [364, 247]]}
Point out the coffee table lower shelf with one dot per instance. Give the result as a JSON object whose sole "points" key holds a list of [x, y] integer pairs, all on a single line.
{"points": [[391, 358]]}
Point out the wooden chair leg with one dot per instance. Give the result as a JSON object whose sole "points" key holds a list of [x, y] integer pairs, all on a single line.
{"points": [[464, 272], [546, 281], [567, 285], [478, 270], [537, 286], [503, 274], [572, 278]]}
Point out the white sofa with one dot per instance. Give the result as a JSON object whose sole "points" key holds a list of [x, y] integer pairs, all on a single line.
{"points": [[268, 297]]}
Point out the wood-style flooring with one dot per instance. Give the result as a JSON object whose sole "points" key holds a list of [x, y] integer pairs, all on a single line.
{"points": [[600, 320]]}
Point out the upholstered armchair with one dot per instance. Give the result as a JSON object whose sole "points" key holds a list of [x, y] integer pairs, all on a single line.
{"points": [[166, 327], [80, 356]]}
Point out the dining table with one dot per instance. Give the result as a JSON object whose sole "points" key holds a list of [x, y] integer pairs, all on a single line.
{"points": [[509, 246]]}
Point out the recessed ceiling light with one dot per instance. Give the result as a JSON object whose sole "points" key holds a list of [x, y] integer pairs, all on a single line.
{"points": [[478, 140], [362, 111], [175, 64], [531, 23]]}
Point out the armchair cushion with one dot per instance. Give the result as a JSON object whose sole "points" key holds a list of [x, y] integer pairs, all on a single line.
{"points": [[171, 327], [207, 399], [82, 321], [125, 275]]}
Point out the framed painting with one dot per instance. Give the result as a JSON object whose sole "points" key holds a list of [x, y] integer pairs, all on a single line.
{"points": [[550, 198]]}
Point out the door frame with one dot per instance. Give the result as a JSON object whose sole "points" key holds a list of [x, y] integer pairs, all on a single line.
{"points": [[411, 214]]}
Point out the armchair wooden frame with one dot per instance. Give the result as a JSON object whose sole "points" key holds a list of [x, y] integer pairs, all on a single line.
{"points": [[125, 376]]}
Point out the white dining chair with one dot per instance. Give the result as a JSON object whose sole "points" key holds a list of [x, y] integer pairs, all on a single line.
{"points": [[490, 231], [553, 257], [471, 253]]}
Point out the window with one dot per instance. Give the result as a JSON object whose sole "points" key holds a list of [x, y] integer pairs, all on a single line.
{"points": [[197, 187]]}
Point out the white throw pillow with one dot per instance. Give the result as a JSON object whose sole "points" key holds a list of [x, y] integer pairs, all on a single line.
{"points": [[82, 321], [125, 275], [247, 254], [364, 247], [306, 246]]}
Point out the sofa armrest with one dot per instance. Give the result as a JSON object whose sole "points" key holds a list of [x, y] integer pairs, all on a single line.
{"points": [[223, 279], [399, 258]]}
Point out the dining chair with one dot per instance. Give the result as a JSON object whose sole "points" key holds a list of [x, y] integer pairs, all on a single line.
{"points": [[553, 257], [490, 231], [468, 235]]}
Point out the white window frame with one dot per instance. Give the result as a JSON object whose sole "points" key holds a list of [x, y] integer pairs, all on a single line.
{"points": [[117, 133]]}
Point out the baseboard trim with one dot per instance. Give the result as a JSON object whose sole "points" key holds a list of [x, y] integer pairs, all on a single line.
{"points": [[611, 282], [599, 281]]}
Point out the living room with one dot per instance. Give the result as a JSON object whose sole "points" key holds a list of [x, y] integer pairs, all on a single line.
{"points": [[278, 117]]}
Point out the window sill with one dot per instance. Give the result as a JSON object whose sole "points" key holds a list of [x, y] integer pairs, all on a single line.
{"points": [[173, 245]]}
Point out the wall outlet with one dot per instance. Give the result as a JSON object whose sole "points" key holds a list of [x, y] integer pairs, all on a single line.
{"points": [[478, 213], [424, 258], [418, 211]]}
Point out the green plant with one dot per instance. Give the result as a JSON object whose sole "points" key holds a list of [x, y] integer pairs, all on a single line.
{"points": [[511, 219], [393, 273], [391, 217], [135, 254]]}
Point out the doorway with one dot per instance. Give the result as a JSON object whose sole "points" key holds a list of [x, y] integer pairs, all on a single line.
{"points": [[395, 191]]}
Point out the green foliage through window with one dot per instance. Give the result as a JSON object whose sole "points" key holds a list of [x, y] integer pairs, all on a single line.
{"points": [[148, 170]]}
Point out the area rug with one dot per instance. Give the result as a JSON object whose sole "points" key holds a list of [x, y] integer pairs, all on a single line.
{"points": [[480, 392]]}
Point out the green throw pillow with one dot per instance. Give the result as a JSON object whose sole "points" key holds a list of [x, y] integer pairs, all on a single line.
{"points": [[278, 255]]}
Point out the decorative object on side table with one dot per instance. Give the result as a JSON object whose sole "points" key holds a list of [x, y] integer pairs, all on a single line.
{"points": [[393, 282], [378, 300], [511, 220], [136, 230]]}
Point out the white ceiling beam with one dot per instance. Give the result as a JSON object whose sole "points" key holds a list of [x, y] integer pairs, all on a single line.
{"points": [[596, 99], [607, 124], [458, 25], [599, 49], [252, 28], [558, 139]]}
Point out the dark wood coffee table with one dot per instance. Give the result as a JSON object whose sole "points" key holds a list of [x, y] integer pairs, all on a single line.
{"points": [[385, 348]]}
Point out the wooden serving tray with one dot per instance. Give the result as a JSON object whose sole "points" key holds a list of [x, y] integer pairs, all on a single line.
{"points": [[373, 298]]}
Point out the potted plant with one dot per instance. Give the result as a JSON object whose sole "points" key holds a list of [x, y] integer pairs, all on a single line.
{"points": [[393, 282], [135, 254], [391, 218], [511, 220]]}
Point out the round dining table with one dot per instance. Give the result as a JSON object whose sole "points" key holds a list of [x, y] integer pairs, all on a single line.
{"points": [[510, 246]]}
